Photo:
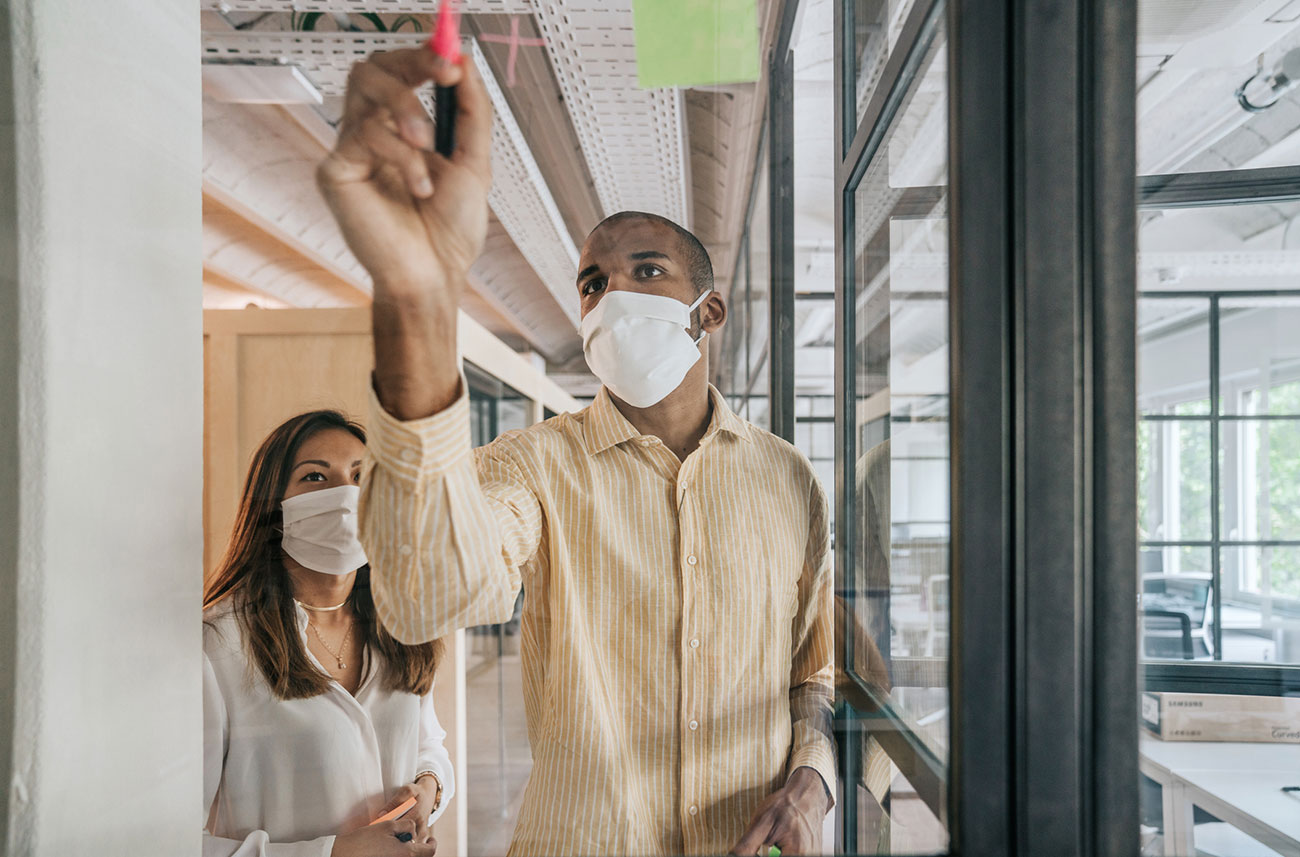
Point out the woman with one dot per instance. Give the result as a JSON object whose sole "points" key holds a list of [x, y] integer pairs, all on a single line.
{"points": [[316, 721]]}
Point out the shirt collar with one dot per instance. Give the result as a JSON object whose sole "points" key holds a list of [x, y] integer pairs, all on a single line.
{"points": [[605, 426]]}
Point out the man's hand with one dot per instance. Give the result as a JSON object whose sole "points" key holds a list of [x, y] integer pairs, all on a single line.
{"points": [[414, 219], [791, 818]]}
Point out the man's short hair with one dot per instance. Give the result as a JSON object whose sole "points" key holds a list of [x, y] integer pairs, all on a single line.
{"points": [[698, 264]]}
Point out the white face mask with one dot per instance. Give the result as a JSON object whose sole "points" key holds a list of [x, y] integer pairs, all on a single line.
{"points": [[320, 530], [637, 344]]}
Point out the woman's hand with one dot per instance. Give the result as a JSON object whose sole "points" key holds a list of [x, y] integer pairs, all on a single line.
{"points": [[380, 840], [425, 792]]}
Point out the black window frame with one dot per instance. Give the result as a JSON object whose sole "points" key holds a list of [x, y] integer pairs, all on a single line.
{"points": [[1208, 190]]}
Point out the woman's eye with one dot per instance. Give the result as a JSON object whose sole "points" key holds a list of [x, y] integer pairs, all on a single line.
{"points": [[314, 476], [356, 477], [593, 285]]}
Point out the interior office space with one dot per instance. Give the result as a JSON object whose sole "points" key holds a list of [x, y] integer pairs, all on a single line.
{"points": [[1020, 279]]}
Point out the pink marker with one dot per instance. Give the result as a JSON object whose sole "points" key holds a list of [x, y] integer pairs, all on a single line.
{"points": [[445, 42]]}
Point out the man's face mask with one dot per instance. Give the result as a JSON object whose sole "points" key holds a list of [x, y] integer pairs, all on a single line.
{"points": [[320, 530], [638, 345]]}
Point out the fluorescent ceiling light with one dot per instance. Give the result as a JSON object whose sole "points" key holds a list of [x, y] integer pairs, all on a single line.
{"points": [[258, 83]]}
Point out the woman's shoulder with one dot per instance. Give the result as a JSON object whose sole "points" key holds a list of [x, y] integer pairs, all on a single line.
{"points": [[222, 636]]}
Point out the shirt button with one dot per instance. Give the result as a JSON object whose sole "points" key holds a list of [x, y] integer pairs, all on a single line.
{"points": [[694, 724], [409, 455], [693, 809], [405, 550], [691, 560], [695, 644]]}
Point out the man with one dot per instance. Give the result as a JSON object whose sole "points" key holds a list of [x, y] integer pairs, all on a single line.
{"points": [[676, 637]]}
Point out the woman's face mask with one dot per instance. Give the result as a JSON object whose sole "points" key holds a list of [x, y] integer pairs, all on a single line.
{"points": [[320, 530], [637, 344]]}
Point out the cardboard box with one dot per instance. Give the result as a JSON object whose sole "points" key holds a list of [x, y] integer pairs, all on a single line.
{"points": [[1222, 717]]}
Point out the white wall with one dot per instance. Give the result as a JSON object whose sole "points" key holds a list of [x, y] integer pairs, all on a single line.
{"points": [[101, 410]]}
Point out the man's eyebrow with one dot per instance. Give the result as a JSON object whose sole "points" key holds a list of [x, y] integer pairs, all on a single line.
{"points": [[649, 254], [587, 272]]}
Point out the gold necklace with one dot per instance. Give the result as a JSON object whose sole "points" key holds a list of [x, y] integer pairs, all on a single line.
{"points": [[316, 609], [338, 656]]}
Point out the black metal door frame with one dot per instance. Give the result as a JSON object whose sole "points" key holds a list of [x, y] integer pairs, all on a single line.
{"points": [[1043, 750]]}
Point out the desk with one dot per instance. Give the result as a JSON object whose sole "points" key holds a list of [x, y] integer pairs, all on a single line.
{"points": [[1239, 783]]}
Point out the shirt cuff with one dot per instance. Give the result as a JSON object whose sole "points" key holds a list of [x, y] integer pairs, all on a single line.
{"points": [[414, 448], [819, 757]]}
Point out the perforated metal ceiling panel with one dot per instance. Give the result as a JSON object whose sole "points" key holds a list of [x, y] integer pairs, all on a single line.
{"points": [[519, 197], [633, 139], [395, 7]]}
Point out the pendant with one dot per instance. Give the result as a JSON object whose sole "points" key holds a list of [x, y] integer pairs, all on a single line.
{"points": [[342, 665]]}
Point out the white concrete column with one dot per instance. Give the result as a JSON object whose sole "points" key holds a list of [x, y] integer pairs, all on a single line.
{"points": [[101, 397]]}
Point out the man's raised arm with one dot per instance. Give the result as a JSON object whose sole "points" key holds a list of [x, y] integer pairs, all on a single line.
{"points": [[445, 540]]}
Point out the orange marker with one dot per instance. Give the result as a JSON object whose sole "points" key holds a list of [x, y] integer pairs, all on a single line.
{"points": [[396, 812]]}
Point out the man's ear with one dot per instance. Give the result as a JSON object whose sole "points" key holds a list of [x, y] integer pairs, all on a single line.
{"points": [[713, 313]]}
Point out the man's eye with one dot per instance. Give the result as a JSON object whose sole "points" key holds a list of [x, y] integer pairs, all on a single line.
{"points": [[649, 270]]}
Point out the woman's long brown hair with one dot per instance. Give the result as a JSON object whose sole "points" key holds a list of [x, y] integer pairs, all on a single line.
{"points": [[253, 576]]}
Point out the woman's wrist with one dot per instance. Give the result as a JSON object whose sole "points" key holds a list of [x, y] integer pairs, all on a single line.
{"points": [[429, 782]]}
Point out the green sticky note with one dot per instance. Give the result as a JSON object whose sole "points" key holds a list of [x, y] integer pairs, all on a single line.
{"points": [[695, 42], [774, 852]]}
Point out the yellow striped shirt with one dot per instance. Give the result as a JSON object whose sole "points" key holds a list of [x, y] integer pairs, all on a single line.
{"points": [[677, 625]]}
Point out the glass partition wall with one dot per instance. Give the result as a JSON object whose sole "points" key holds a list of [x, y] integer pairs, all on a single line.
{"points": [[1218, 395], [499, 754], [985, 548]]}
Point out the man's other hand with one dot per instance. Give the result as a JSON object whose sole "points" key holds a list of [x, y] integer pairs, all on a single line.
{"points": [[791, 818]]}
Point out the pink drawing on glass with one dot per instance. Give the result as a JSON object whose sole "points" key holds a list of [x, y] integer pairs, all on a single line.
{"points": [[514, 41]]}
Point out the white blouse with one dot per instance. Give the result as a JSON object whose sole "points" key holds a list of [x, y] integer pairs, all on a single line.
{"points": [[287, 775]]}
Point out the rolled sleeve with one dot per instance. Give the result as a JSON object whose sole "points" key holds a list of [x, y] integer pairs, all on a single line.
{"points": [[443, 536], [409, 450]]}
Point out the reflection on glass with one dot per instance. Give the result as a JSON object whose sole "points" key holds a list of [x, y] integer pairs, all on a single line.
{"points": [[876, 27], [499, 755], [899, 584], [760, 278]]}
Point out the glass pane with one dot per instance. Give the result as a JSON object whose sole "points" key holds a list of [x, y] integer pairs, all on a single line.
{"points": [[1212, 91], [1177, 611], [1174, 480], [899, 584], [1213, 97], [1260, 482], [1259, 355], [876, 27], [1261, 604], [1174, 356], [757, 313]]}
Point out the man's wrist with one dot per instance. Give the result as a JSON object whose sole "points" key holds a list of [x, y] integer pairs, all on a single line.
{"points": [[807, 784]]}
